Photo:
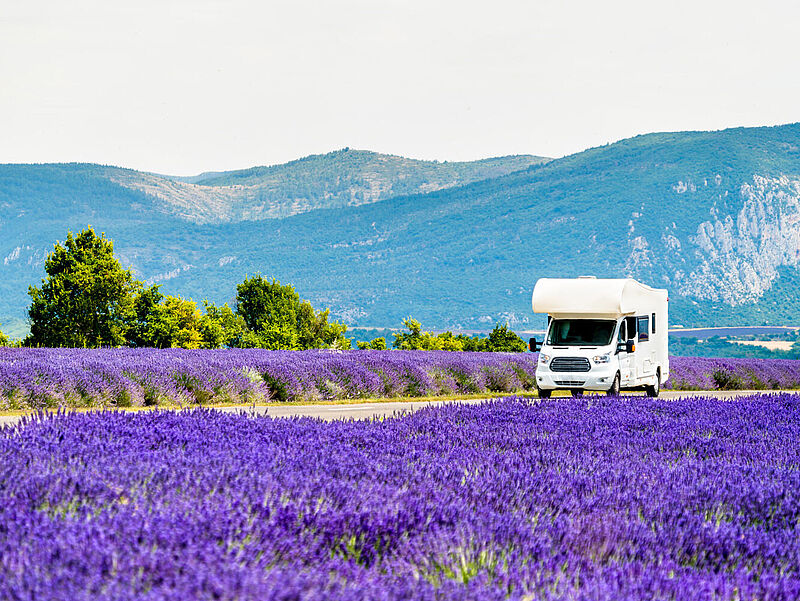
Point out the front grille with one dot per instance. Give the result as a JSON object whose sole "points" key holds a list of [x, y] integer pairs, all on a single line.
{"points": [[570, 383], [570, 364]]}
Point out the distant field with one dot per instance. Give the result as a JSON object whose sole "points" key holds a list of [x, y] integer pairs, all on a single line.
{"points": [[731, 331], [773, 345]]}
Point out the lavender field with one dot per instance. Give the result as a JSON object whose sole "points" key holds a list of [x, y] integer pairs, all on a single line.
{"points": [[38, 378], [580, 499], [47, 378]]}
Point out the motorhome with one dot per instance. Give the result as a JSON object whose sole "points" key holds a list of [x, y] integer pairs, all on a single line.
{"points": [[602, 334]]}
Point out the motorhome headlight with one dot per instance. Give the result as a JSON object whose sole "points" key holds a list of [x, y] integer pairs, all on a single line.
{"points": [[544, 358], [602, 358]]}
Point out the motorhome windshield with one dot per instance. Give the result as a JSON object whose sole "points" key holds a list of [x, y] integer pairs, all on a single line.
{"points": [[581, 332]]}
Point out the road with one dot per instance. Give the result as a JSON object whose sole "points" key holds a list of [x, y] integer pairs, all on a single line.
{"points": [[385, 409]]}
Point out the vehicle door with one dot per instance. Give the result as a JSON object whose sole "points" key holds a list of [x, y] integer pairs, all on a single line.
{"points": [[627, 366], [645, 349]]}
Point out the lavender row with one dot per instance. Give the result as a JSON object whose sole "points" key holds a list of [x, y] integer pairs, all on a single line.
{"points": [[700, 373], [580, 499], [39, 378]]}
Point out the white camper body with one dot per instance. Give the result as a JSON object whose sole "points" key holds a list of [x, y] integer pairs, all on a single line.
{"points": [[602, 334]]}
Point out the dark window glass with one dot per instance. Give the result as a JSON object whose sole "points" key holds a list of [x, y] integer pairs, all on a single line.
{"points": [[653, 325], [631, 321], [578, 332], [644, 329]]}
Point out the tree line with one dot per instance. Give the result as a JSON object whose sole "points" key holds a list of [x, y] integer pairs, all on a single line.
{"points": [[500, 339], [87, 299]]}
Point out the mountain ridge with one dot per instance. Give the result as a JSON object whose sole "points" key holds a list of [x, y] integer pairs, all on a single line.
{"points": [[712, 216], [335, 179], [339, 178]]}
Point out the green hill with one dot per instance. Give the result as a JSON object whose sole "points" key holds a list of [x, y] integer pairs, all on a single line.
{"points": [[336, 179], [356, 173], [712, 216], [147, 213]]}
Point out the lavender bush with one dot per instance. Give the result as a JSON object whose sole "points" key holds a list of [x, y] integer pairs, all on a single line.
{"points": [[41, 378], [581, 499]]}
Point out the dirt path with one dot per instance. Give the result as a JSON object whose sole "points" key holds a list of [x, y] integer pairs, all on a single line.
{"points": [[384, 409]]}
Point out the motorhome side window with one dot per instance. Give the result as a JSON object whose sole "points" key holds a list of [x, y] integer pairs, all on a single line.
{"points": [[653, 324], [631, 329], [623, 332], [644, 328]]}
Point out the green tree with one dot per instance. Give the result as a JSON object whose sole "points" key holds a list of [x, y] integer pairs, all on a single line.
{"points": [[279, 336], [503, 340], [500, 339], [264, 304], [376, 344], [472, 343], [87, 297], [145, 310], [220, 326], [417, 340], [251, 339], [413, 340], [315, 331], [4, 341], [278, 319], [174, 322]]}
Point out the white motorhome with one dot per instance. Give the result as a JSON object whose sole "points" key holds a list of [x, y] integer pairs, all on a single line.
{"points": [[602, 334]]}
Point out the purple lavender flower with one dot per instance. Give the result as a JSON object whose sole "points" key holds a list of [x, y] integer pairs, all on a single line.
{"points": [[593, 498]]}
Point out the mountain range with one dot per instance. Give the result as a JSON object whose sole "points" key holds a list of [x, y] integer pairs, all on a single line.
{"points": [[714, 217]]}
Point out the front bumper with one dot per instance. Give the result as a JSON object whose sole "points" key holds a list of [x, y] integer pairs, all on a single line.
{"points": [[598, 378]]}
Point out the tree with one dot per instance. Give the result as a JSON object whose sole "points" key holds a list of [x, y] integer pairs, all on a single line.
{"points": [[413, 340], [472, 343], [264, 304], [278, 319], [87, 297], [145, 309], [220, 326], [417, 340], [376, 344], [174, 322], [500, 339], [315, 331], [503, 340], [4, 341]]}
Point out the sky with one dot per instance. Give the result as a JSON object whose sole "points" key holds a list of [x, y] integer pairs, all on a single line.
{"points": [[186, 86]]}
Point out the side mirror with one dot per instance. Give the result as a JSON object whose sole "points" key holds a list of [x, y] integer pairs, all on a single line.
{"points": [[630, 346], [533, 345]]}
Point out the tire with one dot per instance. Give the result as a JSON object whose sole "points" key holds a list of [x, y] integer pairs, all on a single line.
{"points": [[577, 391], [652, 391], [614, 390], [544, 394]]}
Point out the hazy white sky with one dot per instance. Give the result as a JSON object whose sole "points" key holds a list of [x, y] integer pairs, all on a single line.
{"points": [[183, 86]]}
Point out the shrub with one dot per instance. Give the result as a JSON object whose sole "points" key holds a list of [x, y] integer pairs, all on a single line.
{"points": [[727, 380], [377, 344]]}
